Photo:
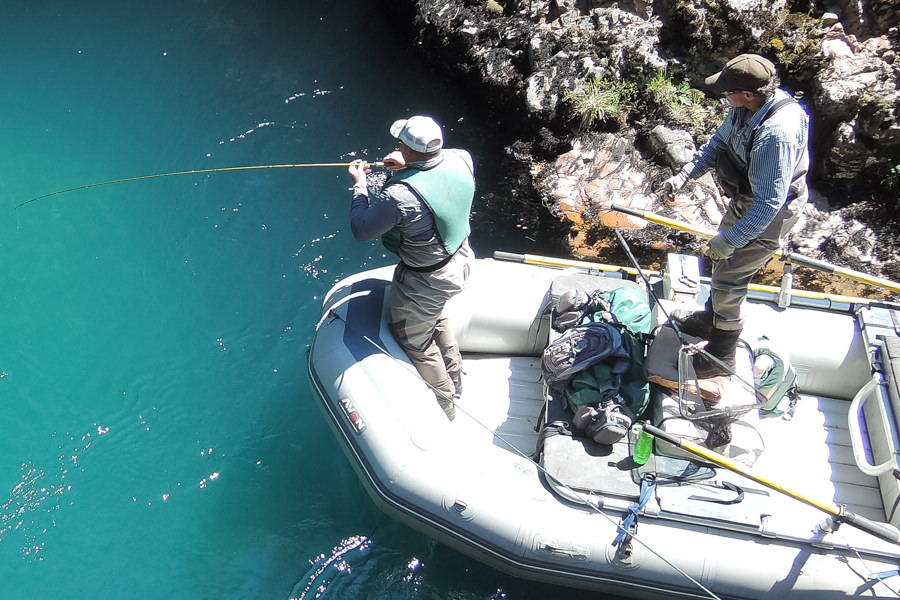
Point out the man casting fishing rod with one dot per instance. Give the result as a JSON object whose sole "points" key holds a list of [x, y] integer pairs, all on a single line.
{"points": [[422, 215], [760, 157]]}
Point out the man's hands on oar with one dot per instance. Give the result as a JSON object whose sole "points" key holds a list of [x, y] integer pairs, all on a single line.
{"points": [[668, 187]]}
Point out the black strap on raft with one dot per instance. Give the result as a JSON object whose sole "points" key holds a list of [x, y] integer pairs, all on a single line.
{"points": [[739, 497], [551, 429]]}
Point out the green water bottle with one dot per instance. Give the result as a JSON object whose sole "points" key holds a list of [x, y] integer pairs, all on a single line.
{"points": [[643, 444]]}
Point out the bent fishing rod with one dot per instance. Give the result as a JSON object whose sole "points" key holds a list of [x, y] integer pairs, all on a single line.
{"points": [[198, 172], [789, 257]]}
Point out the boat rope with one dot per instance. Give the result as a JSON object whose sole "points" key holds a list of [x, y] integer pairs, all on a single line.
{"points": [[594, 506], [880, 577], [629, 522], [194, 172]]}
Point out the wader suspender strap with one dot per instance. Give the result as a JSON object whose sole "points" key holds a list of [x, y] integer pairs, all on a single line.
{"points": [[732, 172], [775, 108]]}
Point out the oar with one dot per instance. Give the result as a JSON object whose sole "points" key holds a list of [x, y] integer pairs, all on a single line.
{"points": [[195, 172], [841, 514], [791, 257], [546, 261]]}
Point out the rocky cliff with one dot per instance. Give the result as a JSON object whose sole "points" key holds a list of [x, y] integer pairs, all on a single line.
{"points": [[602, 99]]}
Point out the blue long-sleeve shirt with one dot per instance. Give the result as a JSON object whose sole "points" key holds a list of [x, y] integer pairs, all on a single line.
{"points": [[779, 155]]}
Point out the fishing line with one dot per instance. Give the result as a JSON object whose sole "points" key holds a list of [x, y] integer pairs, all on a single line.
{"points": [[594, 507], [193, 172]]}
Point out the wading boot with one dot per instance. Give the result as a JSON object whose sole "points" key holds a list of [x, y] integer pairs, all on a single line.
{"points": [[698, 323], [722, 345], [456, 378], [447, 405]]}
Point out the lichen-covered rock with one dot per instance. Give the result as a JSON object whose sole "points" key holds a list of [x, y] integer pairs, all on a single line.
{"points": [[675, 146], [606, 169], [857, 91], [524, 59]]}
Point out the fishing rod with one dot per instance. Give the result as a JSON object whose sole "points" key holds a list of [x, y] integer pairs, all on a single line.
{"points": [[197, 172], [789, 257]]}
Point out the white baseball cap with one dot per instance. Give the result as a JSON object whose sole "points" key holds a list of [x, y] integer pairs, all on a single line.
{"points": [[422, 134]]}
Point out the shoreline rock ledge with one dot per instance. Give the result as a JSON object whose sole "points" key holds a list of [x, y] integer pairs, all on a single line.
{"points": [[603, 99]]}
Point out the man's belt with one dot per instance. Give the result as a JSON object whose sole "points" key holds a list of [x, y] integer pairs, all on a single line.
{"points": [[430, 268]]}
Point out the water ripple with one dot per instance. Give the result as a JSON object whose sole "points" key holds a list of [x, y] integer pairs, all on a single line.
{"points": [[316, 580], [38, 494]]}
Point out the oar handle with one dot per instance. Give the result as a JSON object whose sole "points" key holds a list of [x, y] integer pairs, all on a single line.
{"points": [[544, 261], [882, 530], [509, 256], [657, 432], [820, 265]]}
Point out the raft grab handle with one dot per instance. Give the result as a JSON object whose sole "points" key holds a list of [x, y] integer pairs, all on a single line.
{"points": [[869, 390]]}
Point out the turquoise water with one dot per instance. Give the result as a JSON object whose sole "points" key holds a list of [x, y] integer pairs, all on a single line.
{"points": [[159, 439]]}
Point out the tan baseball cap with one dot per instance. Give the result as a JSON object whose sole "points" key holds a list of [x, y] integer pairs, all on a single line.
{"points": [[747, 72]]}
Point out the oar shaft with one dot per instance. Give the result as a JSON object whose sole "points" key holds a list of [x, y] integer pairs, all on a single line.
{"points": [[825, 267], [546, 261], [661, 220], [792, 257], [724, 461], [881, 530]]}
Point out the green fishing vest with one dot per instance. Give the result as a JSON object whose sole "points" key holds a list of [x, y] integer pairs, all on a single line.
{"points": [[447, 189]]}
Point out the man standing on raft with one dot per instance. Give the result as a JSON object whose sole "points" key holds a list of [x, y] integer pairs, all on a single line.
{"points": [[760, 157], [422, 215]]}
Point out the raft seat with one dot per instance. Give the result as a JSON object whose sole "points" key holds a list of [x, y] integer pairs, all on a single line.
{"points": [[516, 323]]}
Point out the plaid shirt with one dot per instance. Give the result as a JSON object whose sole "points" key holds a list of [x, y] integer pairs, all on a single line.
{"points": [[779, 148]]}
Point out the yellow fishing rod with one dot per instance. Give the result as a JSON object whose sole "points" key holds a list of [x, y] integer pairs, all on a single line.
{"points": [[197, 172], [789, 257]]}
